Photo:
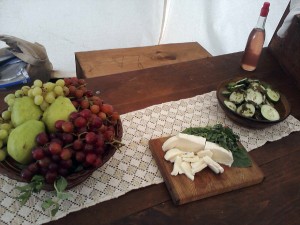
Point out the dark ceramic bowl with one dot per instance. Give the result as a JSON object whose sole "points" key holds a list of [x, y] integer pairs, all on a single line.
{"points": [[283, 107]]}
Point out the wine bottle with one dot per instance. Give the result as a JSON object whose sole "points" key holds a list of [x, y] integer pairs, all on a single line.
{"points": [[255, 41]]}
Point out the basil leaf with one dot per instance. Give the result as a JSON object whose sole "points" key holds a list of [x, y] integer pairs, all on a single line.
{"points": [[63, 195], [61, 184]]}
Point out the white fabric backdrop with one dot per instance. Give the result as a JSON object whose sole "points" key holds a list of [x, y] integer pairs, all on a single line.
{"points": [[65, 27]]}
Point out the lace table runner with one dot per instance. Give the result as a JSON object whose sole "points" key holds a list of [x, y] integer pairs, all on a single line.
{"points": [[134, 167]]}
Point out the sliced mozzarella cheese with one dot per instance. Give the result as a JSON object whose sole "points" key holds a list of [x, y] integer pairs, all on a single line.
{"points": [[220, 155], [213, 165], [172, 153], [191, 143], [170, 143], [186, 167], [195, 158], [198, 167], [203, 153], [177, 166]]}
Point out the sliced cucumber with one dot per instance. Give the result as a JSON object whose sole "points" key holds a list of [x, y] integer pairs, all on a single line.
{"points": [[230, 105], [242, 81], [226, 93], [236, 97], [269, 113], [246, 110], [274, 96], [254, 96]]}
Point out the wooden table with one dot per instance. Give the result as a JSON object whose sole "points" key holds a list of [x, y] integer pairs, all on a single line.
{"points": [[274, 201]]}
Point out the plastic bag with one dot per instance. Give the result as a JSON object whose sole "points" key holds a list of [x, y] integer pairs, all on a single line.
{"points": [[22, 62]]}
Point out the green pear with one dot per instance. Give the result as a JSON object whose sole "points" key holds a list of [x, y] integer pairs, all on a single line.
{"points": [[22, 139], [60, 109], [23, 110]]}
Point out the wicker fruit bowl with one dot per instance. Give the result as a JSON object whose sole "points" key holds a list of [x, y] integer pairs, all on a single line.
{"points": [[12, 169]]}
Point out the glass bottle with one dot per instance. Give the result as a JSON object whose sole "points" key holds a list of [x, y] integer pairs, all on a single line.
{"points": [[255, 41]]}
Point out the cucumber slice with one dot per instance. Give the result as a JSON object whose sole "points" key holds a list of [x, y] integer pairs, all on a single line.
{"points": [[242, 81], [269, 113], [254, 96], [230, 105], [246, 110], [274, 96], [226, 93], [236, 97]]}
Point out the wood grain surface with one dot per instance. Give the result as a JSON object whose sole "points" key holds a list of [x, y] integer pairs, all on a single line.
{"points": [[206, 183], [273, 201], [105, 62]]}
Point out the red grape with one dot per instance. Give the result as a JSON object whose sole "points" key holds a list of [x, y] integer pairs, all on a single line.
{"points": [[55, 148], [51, 177], [67, 138], [26, 174], [90, 158], [79, 93], [66, 163], [45, 162], [42, 138], [96, 122], [80, 156], [66, 154], [77, 144], [88, 147], [53, 166], [33, 167], [90, 137], [95, 109], [86, 113], [85, 104], [38, 153], [73, 116], [80, 122], [58, 124], [108, 109], [67, 127]]}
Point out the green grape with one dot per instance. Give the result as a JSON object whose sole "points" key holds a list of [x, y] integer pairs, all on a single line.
{"points": [[30, 93], [44, 105], [5, 126], [58, 90], [49, 86], [50, 97], [3, 154], [19, 93], [38, 83], [38, 99], [1, 144], [60, 82], [8, 97], [6, 115], [25, 89], [3, 134], [10, 102], [66, 91], [37, 91], [9, 108]]}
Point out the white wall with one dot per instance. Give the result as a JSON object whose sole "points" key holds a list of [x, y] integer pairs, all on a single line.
{"points": [[68, 26]]}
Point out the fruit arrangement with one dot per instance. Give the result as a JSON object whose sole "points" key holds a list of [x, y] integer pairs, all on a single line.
{"points": [[55, 130]]}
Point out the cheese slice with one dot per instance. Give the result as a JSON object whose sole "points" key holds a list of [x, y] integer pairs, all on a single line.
{"points": [[220, 154], [172, 153]]}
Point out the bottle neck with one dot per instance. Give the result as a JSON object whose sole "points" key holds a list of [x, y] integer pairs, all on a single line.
{"points": [[261, 22]]}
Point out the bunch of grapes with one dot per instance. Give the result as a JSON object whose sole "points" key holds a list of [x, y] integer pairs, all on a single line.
{"points": [[81, 142]]}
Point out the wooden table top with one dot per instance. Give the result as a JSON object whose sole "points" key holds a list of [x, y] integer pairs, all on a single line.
{"points": [[274, 201]]}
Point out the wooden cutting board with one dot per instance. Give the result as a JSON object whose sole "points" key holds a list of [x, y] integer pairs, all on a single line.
{"points": [[206, 182]]}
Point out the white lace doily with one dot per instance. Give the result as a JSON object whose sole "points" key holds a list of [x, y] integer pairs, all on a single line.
{"points": [[134, 167]]}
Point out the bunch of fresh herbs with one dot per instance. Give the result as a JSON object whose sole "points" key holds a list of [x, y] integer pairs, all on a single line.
{"points": [[35, 186]]}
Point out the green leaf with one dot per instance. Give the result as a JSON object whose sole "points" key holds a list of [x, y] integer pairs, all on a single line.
{"points": [[61, 184], [47, 204], [63, 195]]}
